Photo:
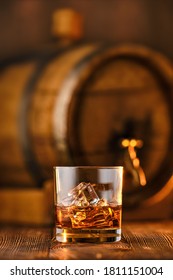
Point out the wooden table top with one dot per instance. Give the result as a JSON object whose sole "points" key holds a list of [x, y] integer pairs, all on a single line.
{"points": [[145, 240]]}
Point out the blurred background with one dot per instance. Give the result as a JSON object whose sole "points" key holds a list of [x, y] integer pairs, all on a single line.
{"points": [[85, 83], [26, 25]]}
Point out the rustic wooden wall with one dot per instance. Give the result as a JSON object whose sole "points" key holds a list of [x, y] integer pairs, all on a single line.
{"points": [[140, 21]]}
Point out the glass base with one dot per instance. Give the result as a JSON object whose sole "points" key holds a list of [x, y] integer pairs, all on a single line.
{"points": [[88, 235]]}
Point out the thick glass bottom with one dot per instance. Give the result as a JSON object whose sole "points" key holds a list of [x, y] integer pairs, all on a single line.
{"points": [[88, 235]]}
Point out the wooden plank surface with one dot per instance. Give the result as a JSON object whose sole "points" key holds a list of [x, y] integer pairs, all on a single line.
{"points": [[24, 243], [146, 240]]}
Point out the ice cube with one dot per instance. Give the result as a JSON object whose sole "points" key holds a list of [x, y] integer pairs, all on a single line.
{"points": [[78, 197], [91, 194], [74, 196], [82, 195], [80, 200], [78, 189]]}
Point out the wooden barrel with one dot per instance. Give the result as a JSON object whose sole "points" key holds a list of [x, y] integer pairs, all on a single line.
{"points": [[27, 142], [77, 107]]}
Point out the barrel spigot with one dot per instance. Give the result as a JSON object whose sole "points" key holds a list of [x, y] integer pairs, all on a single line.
{"points": [[132, 161]]}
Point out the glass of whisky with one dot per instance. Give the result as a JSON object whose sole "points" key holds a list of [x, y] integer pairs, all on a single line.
{"points": [[88, 203]]}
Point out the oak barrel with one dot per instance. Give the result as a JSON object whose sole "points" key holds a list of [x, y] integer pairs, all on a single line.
{"points": [[76, 108]]}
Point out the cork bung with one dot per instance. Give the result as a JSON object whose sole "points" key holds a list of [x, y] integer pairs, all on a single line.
{"points": [[67, 24]]}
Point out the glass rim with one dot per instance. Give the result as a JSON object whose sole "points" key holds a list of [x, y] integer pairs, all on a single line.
{"points": [[89, 167]]}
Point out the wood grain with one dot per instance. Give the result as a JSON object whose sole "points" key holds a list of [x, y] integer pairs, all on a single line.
{"points": [[146, 240], [24, 243]]}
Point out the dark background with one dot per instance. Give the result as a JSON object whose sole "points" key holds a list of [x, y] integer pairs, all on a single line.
{"points": [[25, 25]]}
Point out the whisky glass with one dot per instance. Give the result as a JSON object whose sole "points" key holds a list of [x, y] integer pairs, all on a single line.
{"points": [[88, 203]]}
